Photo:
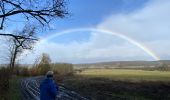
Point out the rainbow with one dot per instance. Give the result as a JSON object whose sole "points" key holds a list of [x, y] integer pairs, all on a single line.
{"points": [[122, 36]]}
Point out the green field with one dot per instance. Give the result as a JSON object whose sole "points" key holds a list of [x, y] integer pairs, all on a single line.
{"points": [[126, 74]]}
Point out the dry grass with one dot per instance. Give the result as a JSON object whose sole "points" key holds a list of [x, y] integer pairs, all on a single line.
{"points": [[124, 74]]}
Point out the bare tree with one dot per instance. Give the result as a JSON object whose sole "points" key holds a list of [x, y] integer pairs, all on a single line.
{"points": [[18, 45], [42, 11], [45, 59], [44, 64]]}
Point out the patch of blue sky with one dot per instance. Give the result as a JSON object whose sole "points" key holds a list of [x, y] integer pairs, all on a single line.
{"points": [[89, 13], [72, 37], [83, 13]]}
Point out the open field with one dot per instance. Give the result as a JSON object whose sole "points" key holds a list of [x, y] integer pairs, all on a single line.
{"points": [[125, 74], [120, 84]]}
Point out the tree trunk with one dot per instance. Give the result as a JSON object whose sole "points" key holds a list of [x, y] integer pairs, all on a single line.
{"points": [[13, 59]]}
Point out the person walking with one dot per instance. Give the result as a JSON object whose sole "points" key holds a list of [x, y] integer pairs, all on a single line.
{"points": [[48, 88]]}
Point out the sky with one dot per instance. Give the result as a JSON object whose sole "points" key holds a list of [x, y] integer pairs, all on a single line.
{"points": [[105, 30]]}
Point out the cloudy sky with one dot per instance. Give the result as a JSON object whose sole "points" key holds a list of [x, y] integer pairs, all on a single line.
{"points": [[106, 30]]}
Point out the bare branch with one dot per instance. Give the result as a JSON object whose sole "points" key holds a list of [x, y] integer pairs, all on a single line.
{"points": [[20, 41], [41, 12]]}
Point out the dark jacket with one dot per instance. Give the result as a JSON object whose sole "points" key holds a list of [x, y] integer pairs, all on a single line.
{"points": [[48, 89]]}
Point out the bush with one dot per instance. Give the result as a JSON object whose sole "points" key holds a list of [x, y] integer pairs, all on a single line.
{"points": [[43, 68], [24, 71], [163, 67], [62, 68], [4, 80], [33, 71], [43, 65]]}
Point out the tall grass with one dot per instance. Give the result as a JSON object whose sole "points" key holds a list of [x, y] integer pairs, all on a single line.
{"points": [[9, 85], [14, 87]]}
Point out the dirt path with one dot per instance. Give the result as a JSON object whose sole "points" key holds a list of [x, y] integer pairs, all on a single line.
{"points": [[30, 91]]}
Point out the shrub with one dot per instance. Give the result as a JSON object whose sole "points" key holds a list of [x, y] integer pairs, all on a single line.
{"points": [[62, 68], [4, 80], [42, 65]]}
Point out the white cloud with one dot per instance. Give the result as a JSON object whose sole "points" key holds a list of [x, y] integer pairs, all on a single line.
{"points": [[151, 21], [150, 26], [100, 47]]}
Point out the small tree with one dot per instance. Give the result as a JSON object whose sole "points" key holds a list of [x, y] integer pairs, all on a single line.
{"points": [[44, 64]]}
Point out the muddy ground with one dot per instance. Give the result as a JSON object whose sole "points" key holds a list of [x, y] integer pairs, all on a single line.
{"points": [[106, 89]]}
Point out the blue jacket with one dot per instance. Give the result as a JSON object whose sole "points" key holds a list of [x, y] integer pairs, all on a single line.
{"points": [[48, 89]]}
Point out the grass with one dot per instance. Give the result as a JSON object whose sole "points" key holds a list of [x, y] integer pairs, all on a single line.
{"points": [[14, 90], [129, 96], [125, 74], [121, 84], [105, 89]]}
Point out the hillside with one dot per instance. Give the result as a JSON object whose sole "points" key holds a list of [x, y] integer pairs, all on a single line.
{"points": [[123, 64]]}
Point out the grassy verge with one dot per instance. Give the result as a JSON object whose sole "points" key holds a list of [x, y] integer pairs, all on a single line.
{"points": [[14, 89]]}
